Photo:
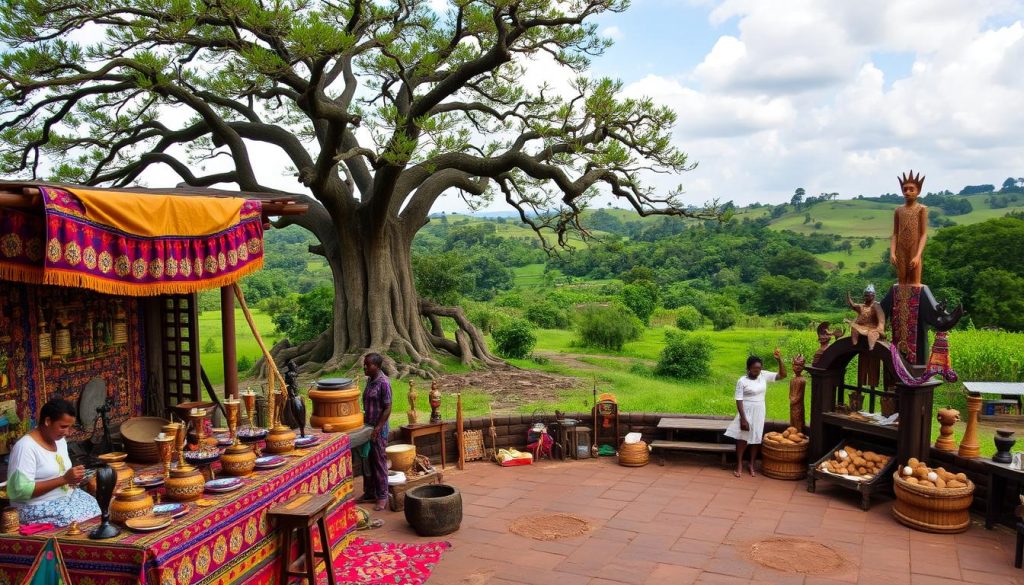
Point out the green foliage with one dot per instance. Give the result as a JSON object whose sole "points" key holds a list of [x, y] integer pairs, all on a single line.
{"points": [[607, 326], [723, 316], [210, 345], [777, 294], [795, 263], [641, 298], [244, 364], [547, 315], [514, 338], [685, 356], [313, 313], [797, 321], [442, 277], [688, 318], [993, 356]]}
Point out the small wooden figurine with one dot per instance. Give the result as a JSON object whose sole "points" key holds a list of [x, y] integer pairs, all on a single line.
{"points": [[825, 337], [947, 418], [797, 387], [435, 403], [412, 414]]}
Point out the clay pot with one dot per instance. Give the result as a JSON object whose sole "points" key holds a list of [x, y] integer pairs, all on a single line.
{"points": [[433, 510], [890, 404], [401, 456], [238, 460], [280, 439], [1004, 442], [124, 474], [856, 401], [185, 484], [130, 503], [336, 402]]}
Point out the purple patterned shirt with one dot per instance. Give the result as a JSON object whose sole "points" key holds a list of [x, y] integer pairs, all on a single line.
{"points": [[376, 398]]}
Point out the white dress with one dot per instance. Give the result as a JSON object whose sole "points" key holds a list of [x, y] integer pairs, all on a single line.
{"points": [[751, 392]]}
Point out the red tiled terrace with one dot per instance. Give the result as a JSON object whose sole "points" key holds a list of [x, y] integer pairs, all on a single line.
{"points": [[688, 522]]}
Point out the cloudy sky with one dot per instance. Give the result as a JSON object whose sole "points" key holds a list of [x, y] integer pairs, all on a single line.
{"points": [[827, 95]]}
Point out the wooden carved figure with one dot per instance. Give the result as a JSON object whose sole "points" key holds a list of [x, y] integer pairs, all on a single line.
{"points": [[947, 418], [909, 232], [825, 336], [435, 403], [412, 414], [870, 322], [796, 394]]}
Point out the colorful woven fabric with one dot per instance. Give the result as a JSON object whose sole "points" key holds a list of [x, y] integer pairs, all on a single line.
{"points": [[385, 563], [906, 303], [72, 246], [231, 542], [49, 568], [939, 363]]}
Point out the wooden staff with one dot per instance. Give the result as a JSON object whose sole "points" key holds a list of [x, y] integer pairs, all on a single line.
{"points": [[460, 439]]}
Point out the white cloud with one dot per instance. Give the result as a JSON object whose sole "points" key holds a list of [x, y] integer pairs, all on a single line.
{"points": [[612, 32]]}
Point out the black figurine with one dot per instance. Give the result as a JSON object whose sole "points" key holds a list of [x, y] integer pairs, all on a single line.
{"points": [[295, 411], [105, 481]]}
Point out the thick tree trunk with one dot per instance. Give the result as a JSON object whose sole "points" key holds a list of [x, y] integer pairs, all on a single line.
{"points": [[376, 308]]}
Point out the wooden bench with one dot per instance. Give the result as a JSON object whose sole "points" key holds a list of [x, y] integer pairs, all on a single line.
{"points": [[671, 426]]}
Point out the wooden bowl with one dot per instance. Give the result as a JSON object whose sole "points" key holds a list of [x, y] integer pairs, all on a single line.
{"points": [[138, 434]]}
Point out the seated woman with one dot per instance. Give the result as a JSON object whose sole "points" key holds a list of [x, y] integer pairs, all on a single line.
{"points": [[40, 478]]}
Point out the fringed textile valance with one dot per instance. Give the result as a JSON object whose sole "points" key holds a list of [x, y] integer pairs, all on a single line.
{"points": [[132, 244]]}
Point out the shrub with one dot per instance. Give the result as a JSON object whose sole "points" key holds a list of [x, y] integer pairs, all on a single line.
{"points": [[723, 316], [210, 345], [685, 356], [547, 315], [244, 364], [608, 327], [689, 318], [797, 321], [514, 338], [641, 298]]}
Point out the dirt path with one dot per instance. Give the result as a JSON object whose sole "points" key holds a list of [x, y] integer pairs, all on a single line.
{"points": [[575, 360], [510, 388]]}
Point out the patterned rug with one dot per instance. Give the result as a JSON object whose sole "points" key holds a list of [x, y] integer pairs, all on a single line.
{"points": [[385, 563]]}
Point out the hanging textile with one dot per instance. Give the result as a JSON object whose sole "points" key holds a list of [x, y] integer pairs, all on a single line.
{"points": [[939, 363], [132, 244]]}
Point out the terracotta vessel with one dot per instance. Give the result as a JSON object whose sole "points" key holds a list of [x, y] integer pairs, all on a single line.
{"points": [[280, 439], [124, 474], [336, 402], [185, 484], [238, 460], [130, 503]]}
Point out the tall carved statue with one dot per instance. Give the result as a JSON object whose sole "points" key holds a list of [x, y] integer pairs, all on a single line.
{"points": [[435, 403], [909, 232], [294, 410], [797, 385]]}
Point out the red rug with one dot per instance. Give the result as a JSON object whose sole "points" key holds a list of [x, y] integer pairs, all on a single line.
{"points": [[385, 563]]}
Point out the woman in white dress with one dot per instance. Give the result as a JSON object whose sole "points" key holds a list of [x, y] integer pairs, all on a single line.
{"points": [[748, 426]]}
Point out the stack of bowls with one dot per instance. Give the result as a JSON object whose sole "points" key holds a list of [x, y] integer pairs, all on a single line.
{"points": [[138, 434]]}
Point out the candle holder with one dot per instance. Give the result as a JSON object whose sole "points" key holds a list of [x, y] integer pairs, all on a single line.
{"points": [[196, 419], [249, 399], [178, 431], [231, 407], [165, 447]]}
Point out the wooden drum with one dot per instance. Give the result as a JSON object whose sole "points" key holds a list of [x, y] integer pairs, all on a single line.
{"points": [[336, 402]]}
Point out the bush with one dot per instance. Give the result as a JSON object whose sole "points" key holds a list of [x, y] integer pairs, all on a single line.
{"points": [[514, 338], [685, 356], [641, 298], [244, 364], [723, 316], [797, 321], [210, 345], [547, 315], [608, 327], [689, 318]]}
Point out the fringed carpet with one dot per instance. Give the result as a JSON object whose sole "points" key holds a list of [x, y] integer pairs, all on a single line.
{"points": [[364, 562]]}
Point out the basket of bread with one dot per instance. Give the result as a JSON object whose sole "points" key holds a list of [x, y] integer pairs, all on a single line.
{"points": [[852, 463], [785, 454], [932, 499]]}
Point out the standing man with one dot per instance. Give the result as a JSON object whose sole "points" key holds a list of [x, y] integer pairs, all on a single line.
{"points": [[376, 412]]}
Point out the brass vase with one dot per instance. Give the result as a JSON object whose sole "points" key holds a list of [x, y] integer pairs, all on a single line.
{"points": [[130, 503], [238, 460], [280, 439], [165, 447], [122, 472]]}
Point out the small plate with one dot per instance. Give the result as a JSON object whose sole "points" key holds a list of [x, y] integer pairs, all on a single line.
{"points": [[148, 523], [270, 461], [149, 480], [306, 441], [174, 510], [223, 482], [224, 441]]}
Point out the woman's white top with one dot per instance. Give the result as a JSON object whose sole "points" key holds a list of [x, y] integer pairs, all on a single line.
{"points": [[753, 390], [30, 463]]}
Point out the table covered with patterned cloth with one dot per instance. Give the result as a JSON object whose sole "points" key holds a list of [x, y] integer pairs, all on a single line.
{"points": [[229, 542]]}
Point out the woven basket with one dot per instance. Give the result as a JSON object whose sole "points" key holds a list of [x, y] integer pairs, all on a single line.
{"points": [[943, 511], [634, 455], [473, 445], [784, 461]]}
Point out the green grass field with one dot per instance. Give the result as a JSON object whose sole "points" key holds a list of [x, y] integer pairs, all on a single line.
{"points": [[210, 328]]}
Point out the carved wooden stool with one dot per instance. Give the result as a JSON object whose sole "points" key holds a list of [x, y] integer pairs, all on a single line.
{"points": [[301, 513]]}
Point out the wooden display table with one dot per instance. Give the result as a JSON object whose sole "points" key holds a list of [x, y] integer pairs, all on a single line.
{"points": [[410, 432], [396, 493], [1000, 474], [670, 426], [226, 543]]}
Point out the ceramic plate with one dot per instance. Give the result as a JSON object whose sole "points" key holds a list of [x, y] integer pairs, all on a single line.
{"points": [[224, 490], [174, 510], [149, 479], [148, 523], [270, 461], [306, 441], [224, 441], [223, 482]]}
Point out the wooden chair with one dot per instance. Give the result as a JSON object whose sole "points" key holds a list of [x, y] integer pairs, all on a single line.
{"points": [[300, 514]]}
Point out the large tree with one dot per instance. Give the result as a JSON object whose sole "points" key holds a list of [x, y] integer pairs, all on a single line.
{"points": [[378, 107]]}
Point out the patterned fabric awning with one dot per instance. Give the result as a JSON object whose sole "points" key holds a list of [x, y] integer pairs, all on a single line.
{"points": [[131, 243]]}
